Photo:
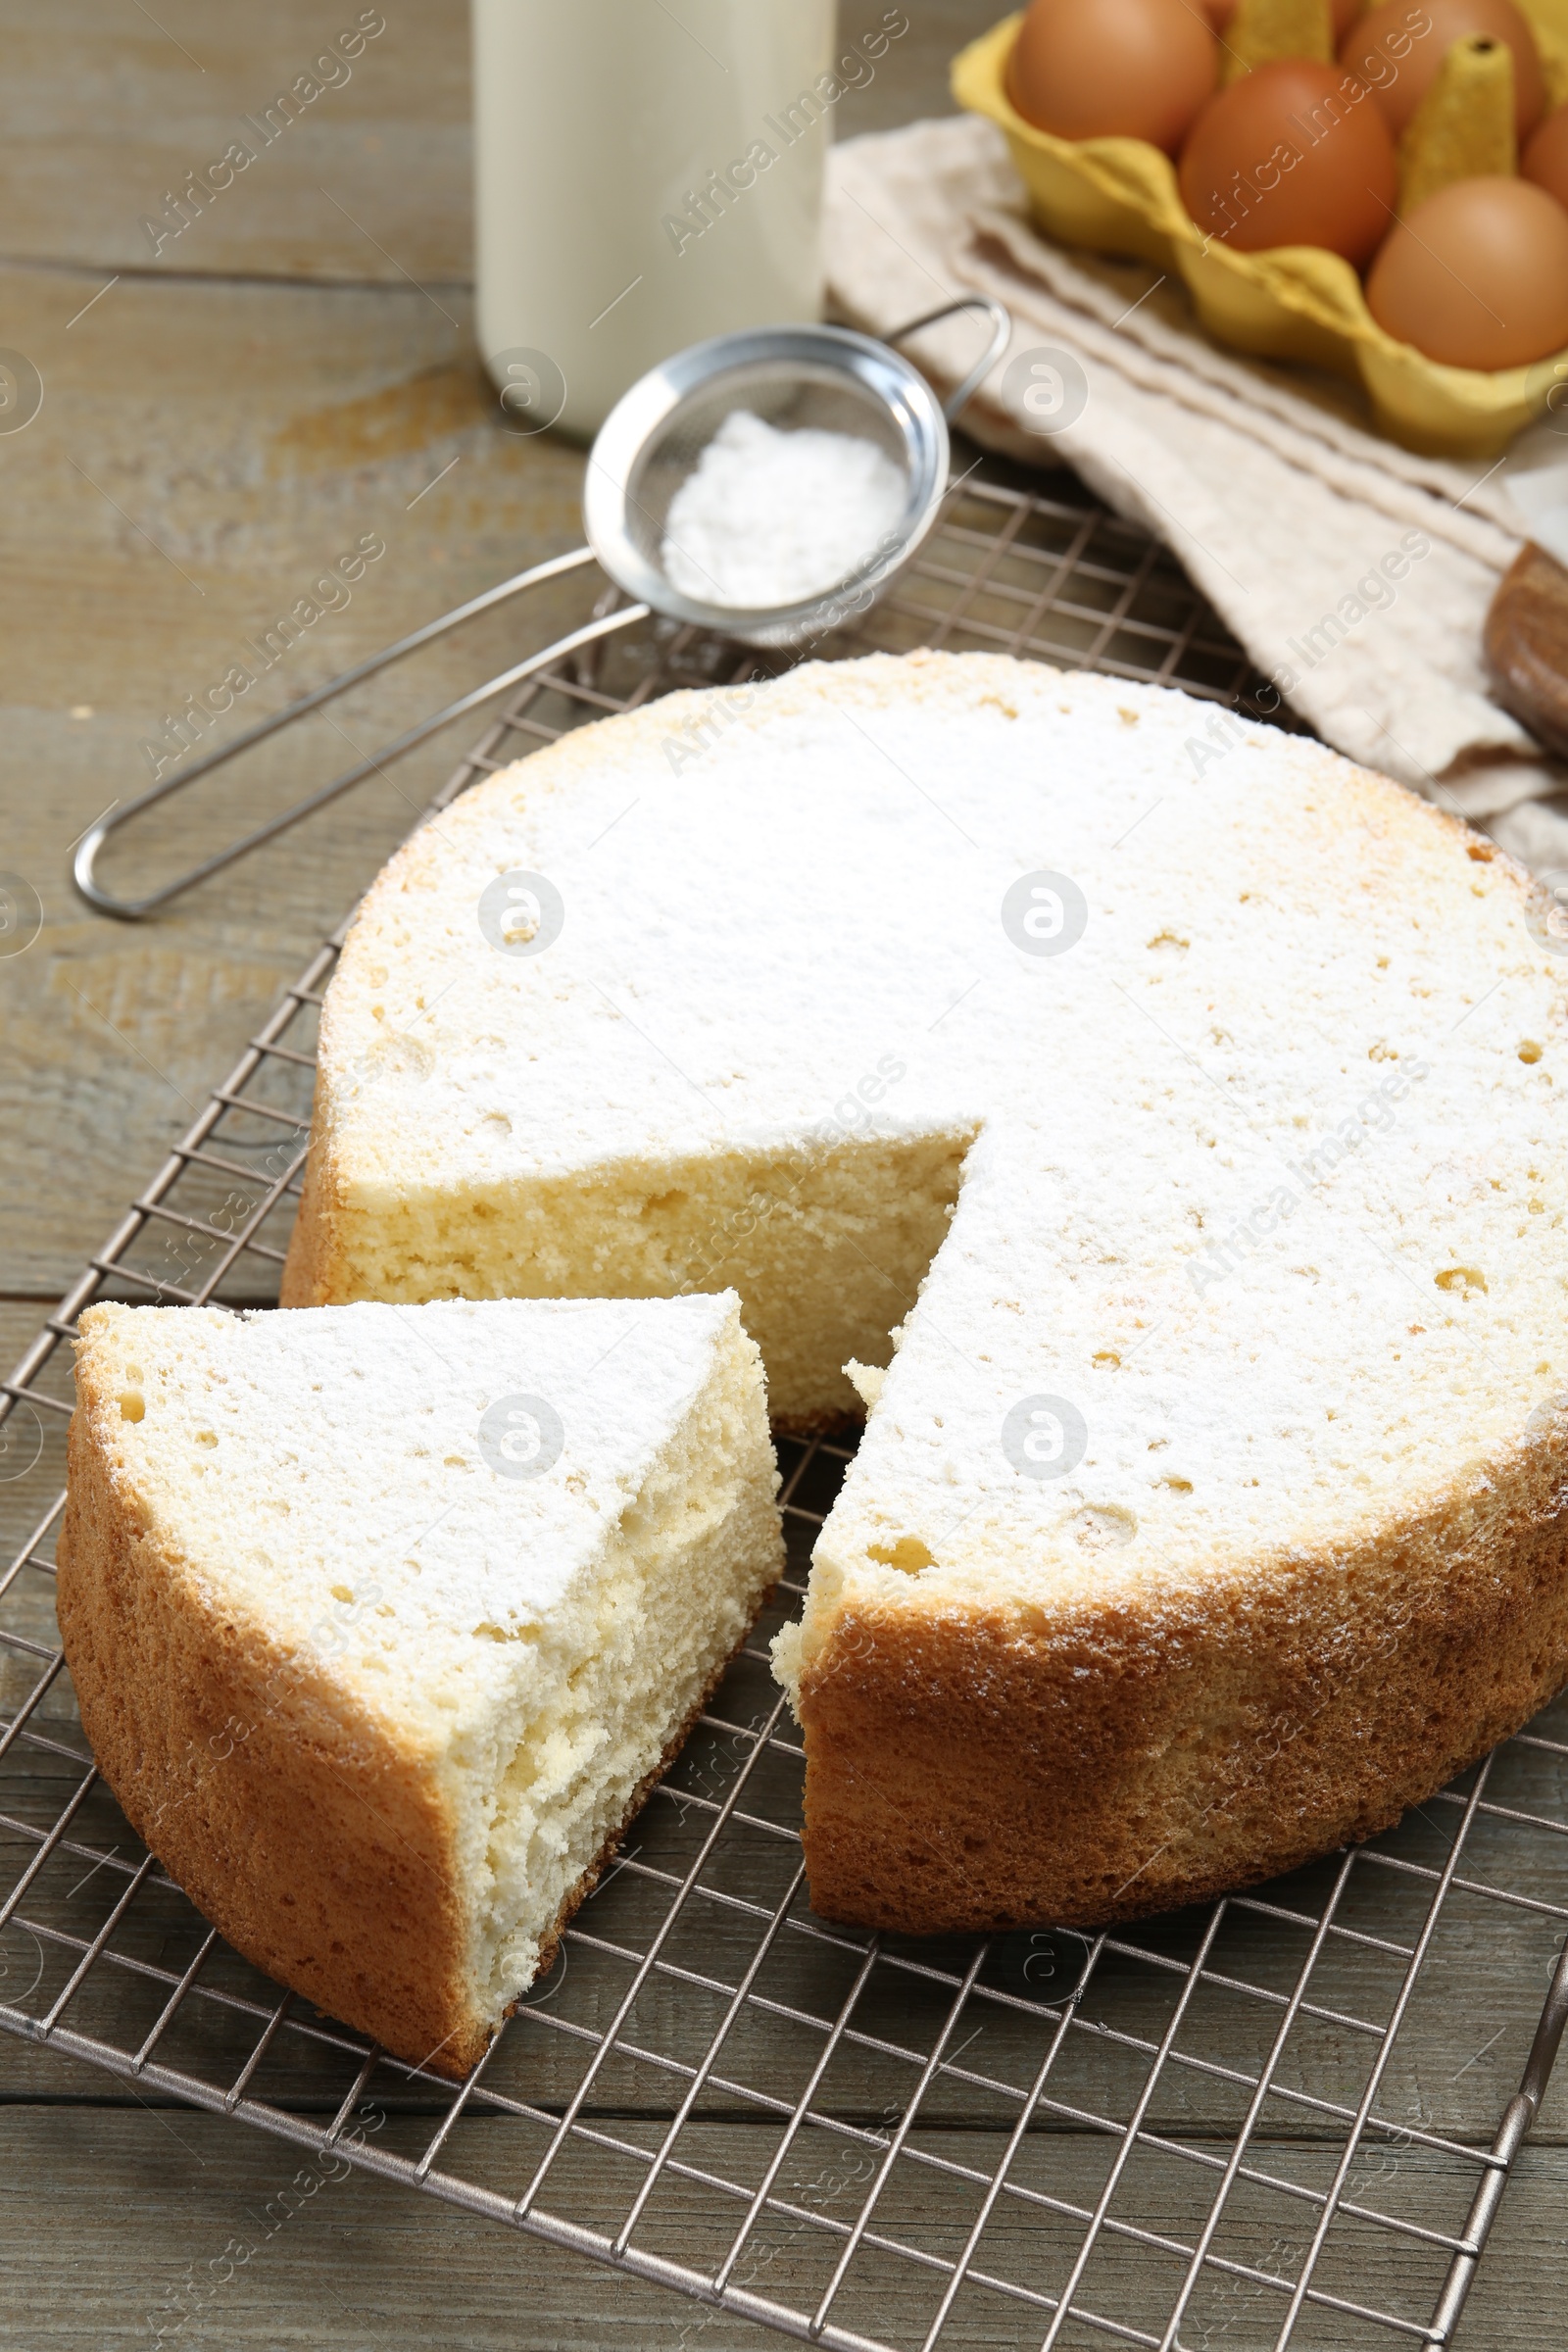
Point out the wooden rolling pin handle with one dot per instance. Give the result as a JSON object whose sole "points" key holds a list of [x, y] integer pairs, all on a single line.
{"points": [[1526, 644]]}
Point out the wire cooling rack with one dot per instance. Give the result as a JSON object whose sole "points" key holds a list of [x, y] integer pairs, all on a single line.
{"points": [[1287, 2119]]}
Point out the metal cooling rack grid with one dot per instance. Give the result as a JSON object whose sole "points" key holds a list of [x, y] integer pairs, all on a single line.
{"points": [[1221, 2127]]}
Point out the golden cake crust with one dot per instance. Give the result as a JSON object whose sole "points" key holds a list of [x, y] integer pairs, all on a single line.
{"points": [[295, 1823], [288, 1825], [973, 1769]]}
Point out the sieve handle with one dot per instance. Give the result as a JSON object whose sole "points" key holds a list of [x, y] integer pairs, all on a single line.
{"points": [[85, 865], [1000, 336]]}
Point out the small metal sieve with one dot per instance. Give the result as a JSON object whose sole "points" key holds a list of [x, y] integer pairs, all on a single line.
{"points": [[809, 375], [826, 378]]}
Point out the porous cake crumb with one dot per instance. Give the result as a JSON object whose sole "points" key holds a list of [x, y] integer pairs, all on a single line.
{"points": [[381, 1619]]}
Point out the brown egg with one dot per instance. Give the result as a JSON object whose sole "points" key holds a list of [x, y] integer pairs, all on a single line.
{"points": [[1107, 69], [1293, 154], [1400, 62], [1545, 159], [1477, 276]]}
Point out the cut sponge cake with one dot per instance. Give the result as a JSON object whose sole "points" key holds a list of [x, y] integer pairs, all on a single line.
{"points": [[1180, 1108], [381, 1620]]}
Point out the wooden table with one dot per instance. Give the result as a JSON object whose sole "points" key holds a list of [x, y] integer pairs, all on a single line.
{"points": [[293, 372]]}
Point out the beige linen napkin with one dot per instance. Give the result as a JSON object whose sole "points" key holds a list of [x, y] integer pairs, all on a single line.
{"points": [[1355, 574]]}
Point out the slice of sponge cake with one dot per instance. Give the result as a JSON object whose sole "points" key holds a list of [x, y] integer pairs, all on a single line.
{"points": [[382, 1619]]}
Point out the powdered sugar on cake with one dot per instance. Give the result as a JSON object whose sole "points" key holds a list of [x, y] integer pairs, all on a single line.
{"points": [[788, 969]]}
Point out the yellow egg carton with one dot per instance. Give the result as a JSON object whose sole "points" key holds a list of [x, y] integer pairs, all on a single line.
{"points": [[1298, 302]]}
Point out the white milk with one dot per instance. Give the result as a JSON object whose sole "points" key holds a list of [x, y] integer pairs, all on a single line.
{"points": [[643, 176]]}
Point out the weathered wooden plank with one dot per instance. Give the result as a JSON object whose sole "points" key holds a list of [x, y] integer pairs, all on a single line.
{"points": [[251, 2243], [106, 110], [103, 112], [203, 455]]}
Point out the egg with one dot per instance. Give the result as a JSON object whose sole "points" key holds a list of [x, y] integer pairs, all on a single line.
{"points": [[1293, 154], [1108, 69], [1477, 276], [1400, 62], [1545, 159]]}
